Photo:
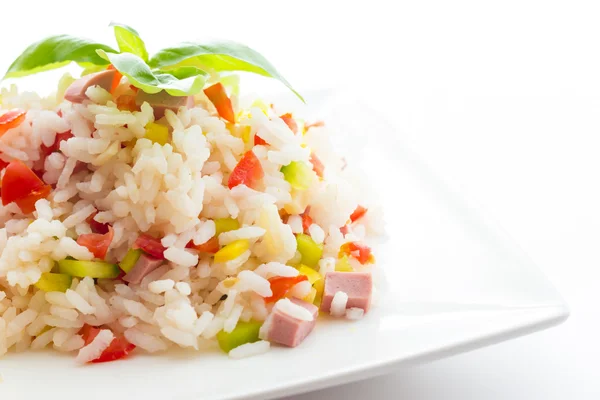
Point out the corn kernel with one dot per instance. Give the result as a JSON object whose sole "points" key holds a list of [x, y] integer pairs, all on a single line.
{"points": [[229, 282], [232, 251]]}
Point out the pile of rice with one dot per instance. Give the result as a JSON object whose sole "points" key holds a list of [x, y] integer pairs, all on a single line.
{"points": [[173, 192]]}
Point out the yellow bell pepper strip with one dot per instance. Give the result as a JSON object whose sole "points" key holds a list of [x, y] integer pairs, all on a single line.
{"points": [[93, 269], [157, 133], [232, 251], [310, 273], [319, 286], [225, 225], [343, 264], [52, 282]]}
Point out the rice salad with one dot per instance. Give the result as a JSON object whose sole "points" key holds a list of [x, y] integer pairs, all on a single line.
{"points": [[148, 210]]}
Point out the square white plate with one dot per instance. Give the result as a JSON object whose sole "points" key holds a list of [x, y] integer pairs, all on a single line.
{"points": [[449, 281]]}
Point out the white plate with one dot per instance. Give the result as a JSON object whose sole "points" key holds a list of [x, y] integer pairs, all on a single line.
{"points": [[449, 281]]}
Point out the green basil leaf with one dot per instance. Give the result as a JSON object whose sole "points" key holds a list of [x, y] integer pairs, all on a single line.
{"points": [[89, 68], [55, 52], [218, 56], [183, 81], [129, 40]]}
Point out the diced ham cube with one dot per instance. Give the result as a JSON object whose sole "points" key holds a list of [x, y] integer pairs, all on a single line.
{"points": [[163, 101], [76, 92], [357, 285], [142, 267], [287, 330]]}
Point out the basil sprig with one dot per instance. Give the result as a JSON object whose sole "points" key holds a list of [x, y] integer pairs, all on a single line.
{"points": [[180, 70]]}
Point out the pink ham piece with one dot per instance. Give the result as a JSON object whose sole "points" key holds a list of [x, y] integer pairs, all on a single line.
{"points": [[142, 267], [163, 101], [289, 331], [357, 285], [76, 92]]}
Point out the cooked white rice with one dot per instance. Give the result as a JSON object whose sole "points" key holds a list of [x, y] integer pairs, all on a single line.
{"points": [[250, 349], [338, 304], [110, 172]]}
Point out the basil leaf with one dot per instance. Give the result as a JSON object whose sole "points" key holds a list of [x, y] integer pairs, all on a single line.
{"points": [[218, 56], [129, 40], [183, 81], [89, 68], [55, 52]]}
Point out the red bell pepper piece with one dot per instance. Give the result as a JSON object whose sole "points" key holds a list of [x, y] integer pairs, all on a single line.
{"points": [[306, 220], [359, 251], [211, 246], [280, 285], [217, 95], [358, 213], [318, 166], [259, 141], [116, 79], [290, 122]]}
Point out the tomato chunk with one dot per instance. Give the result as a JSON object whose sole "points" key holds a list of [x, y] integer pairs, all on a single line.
{"points": [[97, 243], [358, 213], [118, 348], [290, 122], [280, 285], [88, 333], [150, 245], [54, 147], [318, 166], [359, 251], [211, 246], [217, 95], [22, 186], [11, 119], [248, 171], [97, 227]]}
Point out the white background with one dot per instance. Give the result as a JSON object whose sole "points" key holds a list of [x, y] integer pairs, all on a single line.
{"points": [[503, 97]]}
